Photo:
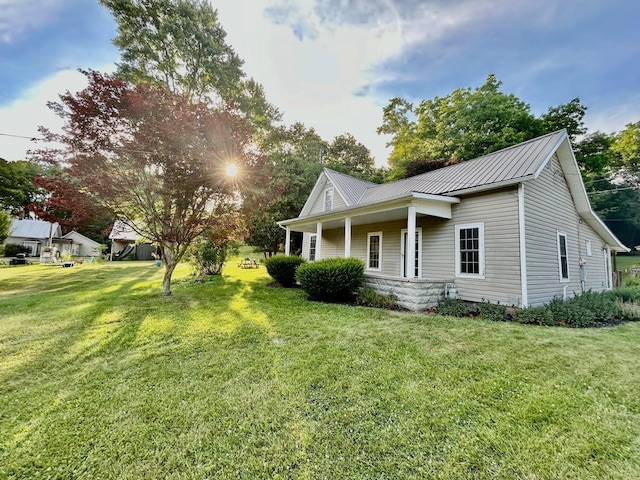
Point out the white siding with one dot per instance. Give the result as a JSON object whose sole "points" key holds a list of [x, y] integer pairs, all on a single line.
{"points": [[318, 205], [499, 213], [549, 208]]}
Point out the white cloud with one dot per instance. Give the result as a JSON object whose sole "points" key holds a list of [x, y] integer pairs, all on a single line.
{"points": [[23, 116], [615, 117], [20, 15]]}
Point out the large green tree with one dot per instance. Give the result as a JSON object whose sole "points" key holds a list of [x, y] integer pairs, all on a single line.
{"points": [[466, 124], [180, 45], [5, 226], [347, 155], [17, 187], [627, 146], [279, 187]]}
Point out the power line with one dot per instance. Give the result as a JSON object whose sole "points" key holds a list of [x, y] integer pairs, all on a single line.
{"points": [[19, 136]]}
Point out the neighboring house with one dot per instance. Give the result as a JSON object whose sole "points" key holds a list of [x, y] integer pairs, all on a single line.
{"points": [[80, 245], [125, 243], [33, 234], [514, 227]]}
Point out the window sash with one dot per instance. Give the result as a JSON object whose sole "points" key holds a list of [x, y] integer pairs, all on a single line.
{"points": [[563, 257], [469, 254], [374, 251], [328, 199], [312, 247]]}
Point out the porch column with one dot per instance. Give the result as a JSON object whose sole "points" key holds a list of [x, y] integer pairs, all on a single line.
{"points": [[319, 241], [347, 237], [287, 242], [410, 250]]}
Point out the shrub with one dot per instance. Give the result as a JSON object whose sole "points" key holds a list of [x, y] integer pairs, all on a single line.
{"points": [[453, 308], [208, 257], [627, 312], [600, 304], [626, 294], [283, 269], [492, 311], [331, 279], [12, 249], [368, 297], [533, 315]]}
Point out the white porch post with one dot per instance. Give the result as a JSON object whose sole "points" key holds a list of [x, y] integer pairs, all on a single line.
{"points": [[287, 242], [319, 241], [347, 237], [410, 251]]}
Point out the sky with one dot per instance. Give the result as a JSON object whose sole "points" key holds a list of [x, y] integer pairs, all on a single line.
{"points": [[334, 64]]}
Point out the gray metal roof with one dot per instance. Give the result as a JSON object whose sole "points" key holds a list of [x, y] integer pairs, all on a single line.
{"points": [[33, 229], [350, 188], [504, 166]]}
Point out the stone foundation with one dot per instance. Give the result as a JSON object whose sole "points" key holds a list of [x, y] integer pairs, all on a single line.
{"points": [[413, 294]]}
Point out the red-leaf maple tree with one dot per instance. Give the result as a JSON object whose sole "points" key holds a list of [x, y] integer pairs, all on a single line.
{"points": [[152, 156]]}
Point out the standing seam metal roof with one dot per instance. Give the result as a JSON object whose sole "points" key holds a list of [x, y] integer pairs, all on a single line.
{"points": [[350, 188], [516, 162]]}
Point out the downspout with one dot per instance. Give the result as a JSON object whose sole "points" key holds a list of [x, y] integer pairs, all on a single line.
{"points": [[523, 248]]}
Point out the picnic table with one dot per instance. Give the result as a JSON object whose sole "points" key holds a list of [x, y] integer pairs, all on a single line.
{"points": [[246, 262]]}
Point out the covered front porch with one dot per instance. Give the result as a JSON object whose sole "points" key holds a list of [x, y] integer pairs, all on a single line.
{"points": [[392, 264]]}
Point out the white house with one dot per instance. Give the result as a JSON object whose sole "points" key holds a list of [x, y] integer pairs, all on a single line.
{"points": [[79, 245], [514, 226], [33, 234]]}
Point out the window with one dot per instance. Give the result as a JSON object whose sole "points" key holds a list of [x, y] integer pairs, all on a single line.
{"points": [[563, 258], [588, 248], [417, 264], [470, 250], [374, 251], [312, 247], [328, 199]]}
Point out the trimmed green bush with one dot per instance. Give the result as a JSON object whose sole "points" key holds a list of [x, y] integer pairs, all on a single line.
{"points": [[283, 269], [453, 308], [368, 297], [331, 279], [533, 315], [493, 311], [12, 249]]}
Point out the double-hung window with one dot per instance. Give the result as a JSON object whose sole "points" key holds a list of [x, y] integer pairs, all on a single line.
{"points": [[312, 247], [328, 199], [374, 251], [563, 257], [469, 253]]}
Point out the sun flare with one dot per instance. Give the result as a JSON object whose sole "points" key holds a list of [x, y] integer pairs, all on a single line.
{"points": [[232, 170]]}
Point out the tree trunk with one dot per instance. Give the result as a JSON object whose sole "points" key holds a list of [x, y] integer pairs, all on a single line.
{"points": [[170, 266]]}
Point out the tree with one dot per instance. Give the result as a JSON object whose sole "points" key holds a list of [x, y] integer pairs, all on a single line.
{"points": [[627, 146], [69, 204], [180, 45], [152, 156], [17, 188], [569, 115], [281, 184], [347, 155], [460, 126], [5, 225]]}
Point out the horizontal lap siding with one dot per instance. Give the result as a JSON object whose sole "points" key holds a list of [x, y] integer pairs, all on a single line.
{"points": [[318, 205], [390, 245], [549, 208], [499, 213]]}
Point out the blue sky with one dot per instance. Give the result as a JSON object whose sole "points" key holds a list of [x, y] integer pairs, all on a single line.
{"points": [[334, 64]]}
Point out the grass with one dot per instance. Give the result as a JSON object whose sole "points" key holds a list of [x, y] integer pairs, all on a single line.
{"points": [[102, 378]]}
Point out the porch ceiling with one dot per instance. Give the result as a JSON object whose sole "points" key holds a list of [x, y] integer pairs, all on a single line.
{"points": [[378, 213]]}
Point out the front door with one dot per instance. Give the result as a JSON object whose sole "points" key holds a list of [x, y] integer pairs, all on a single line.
{"points": [[417, 246]]}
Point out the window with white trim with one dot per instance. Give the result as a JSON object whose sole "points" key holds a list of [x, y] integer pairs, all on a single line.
{"points": [[470, 250], [588, 248], [563, 257], [312, 247], [328, 199], [374, 251]]}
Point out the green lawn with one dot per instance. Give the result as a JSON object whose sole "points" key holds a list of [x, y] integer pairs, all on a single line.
{"points": [[102, 378]]}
